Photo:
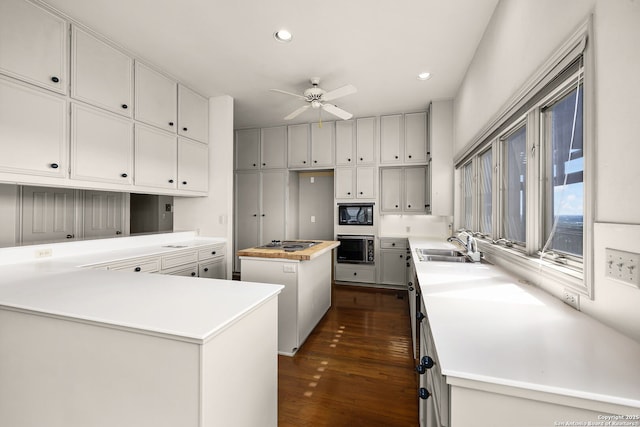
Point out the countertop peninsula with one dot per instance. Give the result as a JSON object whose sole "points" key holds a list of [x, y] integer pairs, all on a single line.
{"points": [[301, 255]]}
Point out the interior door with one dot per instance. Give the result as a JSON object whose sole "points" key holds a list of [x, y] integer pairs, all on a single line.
{"points": [[247, 193], [47, 215], [272, 214]]}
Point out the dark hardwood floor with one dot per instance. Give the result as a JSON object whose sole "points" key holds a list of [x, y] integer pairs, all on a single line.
{"points": [[355, 369]]}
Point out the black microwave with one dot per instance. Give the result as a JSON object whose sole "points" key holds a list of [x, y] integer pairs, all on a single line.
{"points": [[355, 249], [355, 214]]}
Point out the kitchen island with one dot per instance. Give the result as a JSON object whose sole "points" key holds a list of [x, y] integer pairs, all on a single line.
{"points": [[84, 346], [306, 276]]}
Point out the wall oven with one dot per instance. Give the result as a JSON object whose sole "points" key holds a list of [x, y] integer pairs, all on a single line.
{"points": [[356, 249]]}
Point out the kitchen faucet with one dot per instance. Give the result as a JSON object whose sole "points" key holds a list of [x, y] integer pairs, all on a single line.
{"points": [[471, 245]]}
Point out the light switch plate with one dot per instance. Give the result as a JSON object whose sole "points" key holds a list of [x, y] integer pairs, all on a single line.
{"points": [[623, 266]]}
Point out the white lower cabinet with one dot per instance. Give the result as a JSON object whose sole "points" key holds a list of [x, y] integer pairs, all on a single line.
{"points": [[28, 148], [392, 262], [360, 273], [101, 146], [215, 269], [137, 265]]}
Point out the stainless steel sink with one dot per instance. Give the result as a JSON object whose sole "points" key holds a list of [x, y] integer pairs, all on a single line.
{"points": [[446, 255]]}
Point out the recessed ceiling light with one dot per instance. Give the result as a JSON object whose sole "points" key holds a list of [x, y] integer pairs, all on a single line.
{"points": [[424, 76], [283, 36]]}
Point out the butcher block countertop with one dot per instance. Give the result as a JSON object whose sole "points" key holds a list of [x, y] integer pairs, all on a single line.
{"points": [[302, 255]]}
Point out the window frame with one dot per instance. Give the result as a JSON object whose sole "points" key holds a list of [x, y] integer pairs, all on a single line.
{"points": [[557, 75]]}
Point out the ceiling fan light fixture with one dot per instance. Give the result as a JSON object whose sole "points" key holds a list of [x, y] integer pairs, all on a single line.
{"points": [[283, 36], [424, 76]]}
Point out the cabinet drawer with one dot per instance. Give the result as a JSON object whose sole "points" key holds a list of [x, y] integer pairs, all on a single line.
{"points": [[355, 273], [213, 269], [170, 261], [190, 270], [210, 252], [147, 265], [393, 243]]}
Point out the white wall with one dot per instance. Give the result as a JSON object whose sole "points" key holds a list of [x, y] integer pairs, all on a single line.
{"points": [[522, 34], [8, 218], [212, 216]]}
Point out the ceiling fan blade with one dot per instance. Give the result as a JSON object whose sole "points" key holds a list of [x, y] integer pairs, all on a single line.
{"points": [[330, 108], [288, 93], [340, 92], [297, 112]]}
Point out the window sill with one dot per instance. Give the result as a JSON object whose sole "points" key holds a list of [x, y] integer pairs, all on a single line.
{"points": [[537, 269]]}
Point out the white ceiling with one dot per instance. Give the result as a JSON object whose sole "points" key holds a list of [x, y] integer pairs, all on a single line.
{"points": [[227, 48]]}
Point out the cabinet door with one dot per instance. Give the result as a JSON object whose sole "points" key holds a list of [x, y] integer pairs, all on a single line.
{"points": [[298, 145], [273, 148], [415, 141], [156, 158], [366, 141], [415, 188], [247, 203], [193, 165], [215, 269], [391, 139], [193, 115], [33, 131], [247, 149], [344, 183], [323, 144], [272, 212], [33, 45], [101, 146], [156, 98], [365, 182], [391, 190], [345, 141], [103, 214], [392, 268], [48, 215], [100, 74]]}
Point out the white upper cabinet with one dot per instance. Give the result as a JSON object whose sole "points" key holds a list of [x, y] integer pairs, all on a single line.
{"points": [[366, 141], [345, 143], [415, 191], [273, 148], [156, 98], [247, 149], [345, 179], [298, 145], [101, 146], [193, 165], [193, 115], [29, 146], [358, 183], [100, 74], [156, 158], [33, 45], [415, 134], [366, 182], [391, 139], [404, 190], [323, 144], [391, 190]]}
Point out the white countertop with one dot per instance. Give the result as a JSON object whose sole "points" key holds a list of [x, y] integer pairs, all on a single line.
{"points": [[488, 326], [185, 308]]}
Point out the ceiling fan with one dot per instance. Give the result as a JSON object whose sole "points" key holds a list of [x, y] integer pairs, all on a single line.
{"points": [[317, 97]]}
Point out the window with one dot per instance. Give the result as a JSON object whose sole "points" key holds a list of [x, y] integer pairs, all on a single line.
{"points": [[526, 183], [514, 184], [485, 193], [564, 194], [467, 190]]}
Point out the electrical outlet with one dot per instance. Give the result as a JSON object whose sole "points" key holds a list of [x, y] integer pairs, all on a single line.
{"points": [[408, 229], [43, 253], [623, 266], [571, 298], [313, 218]]}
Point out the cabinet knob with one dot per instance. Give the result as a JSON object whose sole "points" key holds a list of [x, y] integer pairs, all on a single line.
{"points": [[124, 175], [262, 215], [355, 273], [408, 257], [55, 79], [348, 160], [54, 166], [361, 159], [170, 123], [411, 288], [264, 164], [396, 157], [69, 236], [401, 256], [125, 106], [206, 269], [408, 206], [254, 165], [396, 206], [213, 252], [315, 161], [427, 362], [361, 192], [255, 214], [193, 274], [419, 316], [304, 162], [348, 193], [185, 129], [409, 155], [118, 233], [393, 244], [408, 265], [421, 369], [423, 393], [137, 269], [184, 182], [170, 181]]}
